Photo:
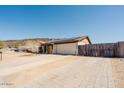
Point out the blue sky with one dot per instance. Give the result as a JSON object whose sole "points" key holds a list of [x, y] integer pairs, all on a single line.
{"points": [[101, 23]]}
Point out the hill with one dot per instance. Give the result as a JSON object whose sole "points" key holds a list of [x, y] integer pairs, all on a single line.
{"points": [[24, 42]]}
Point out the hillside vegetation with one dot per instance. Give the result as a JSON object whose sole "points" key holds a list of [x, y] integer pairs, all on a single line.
{"points": [[18, 43]]}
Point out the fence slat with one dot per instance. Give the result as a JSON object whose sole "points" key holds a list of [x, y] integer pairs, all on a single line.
{"points": [[98, 50]]}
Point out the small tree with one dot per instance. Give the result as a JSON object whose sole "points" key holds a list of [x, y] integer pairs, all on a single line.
{"points": [[1, 45], [16, 45]]}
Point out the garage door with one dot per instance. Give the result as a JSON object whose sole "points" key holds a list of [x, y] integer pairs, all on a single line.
{"points": [[69, 48]]}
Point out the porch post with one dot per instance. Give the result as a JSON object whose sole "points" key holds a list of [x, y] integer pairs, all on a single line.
{"points": [[1, 56]]}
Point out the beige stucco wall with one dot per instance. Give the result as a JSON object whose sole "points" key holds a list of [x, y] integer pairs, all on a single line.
{"points": [[69, 48], [83, 42]]}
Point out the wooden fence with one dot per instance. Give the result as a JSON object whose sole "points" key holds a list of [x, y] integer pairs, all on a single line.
{"points": [[101, 50]]}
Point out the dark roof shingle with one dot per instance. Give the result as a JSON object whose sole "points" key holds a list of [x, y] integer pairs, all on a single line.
{"points": [[69, 40]]}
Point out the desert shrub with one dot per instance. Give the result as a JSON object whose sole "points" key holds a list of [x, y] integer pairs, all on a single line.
{"points": [[1, 45]]}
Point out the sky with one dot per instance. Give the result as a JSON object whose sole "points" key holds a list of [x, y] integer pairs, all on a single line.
{"points": [[103, 24]]}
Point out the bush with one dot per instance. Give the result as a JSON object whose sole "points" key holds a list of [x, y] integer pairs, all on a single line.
{"points": [[1, 45]]}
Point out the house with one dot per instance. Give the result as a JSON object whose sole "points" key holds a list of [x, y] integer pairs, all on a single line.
{"points": [[70, 45], [65, 46], [46, 48]]}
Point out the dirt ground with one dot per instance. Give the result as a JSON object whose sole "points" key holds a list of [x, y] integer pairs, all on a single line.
{"points": [[60, 71]]}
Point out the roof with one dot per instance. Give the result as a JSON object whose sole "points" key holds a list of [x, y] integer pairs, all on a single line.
{"points": [[71, 40]]}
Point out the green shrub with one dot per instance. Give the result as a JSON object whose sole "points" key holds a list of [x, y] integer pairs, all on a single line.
{"points": [[1, 45]]}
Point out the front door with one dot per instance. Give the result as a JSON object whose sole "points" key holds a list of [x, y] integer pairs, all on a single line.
{"points": [[50, 49]]}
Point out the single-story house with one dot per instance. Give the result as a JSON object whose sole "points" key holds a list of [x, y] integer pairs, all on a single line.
{"points": [[65, 46], [70, 45]]}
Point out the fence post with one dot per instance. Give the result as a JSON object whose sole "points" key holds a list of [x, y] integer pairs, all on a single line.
{"points": [[0, 56], [121, 49]]}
